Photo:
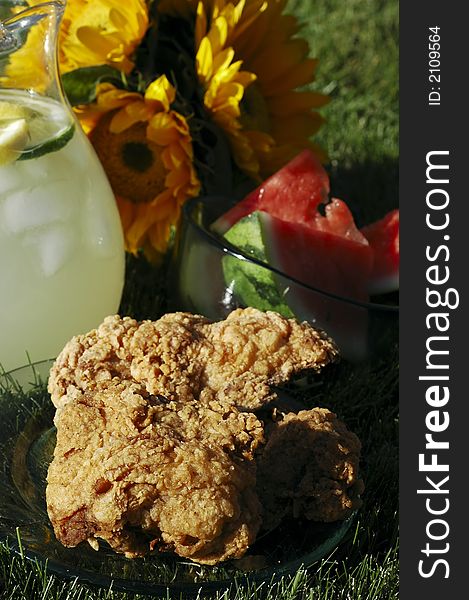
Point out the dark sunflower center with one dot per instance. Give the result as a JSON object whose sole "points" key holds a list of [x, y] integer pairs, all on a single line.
{"points": [[132, 162], [137, 156]]}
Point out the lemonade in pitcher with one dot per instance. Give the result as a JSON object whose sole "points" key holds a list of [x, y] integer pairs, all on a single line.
{"points": [[61, 243]]}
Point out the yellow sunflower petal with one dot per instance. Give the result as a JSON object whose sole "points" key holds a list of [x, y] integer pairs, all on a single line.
{"points": [[127, 213], [218, 34], [175, 156], [298, 75], [156, 234], [223, 60], [109, 97], [163, 129], [88, 115], [251, 36], [247, 15], [228, 98], [128, 116], [161, 206], [228, 73], [204, 60], [97, 43], [96, 32], [178, 180], [142, 221], [217, 98], [238, 11], [260, 141], [161, 93], [117, 18], [200, 24], [146, 216], [140, 110], [285, 28], [292, 54]]}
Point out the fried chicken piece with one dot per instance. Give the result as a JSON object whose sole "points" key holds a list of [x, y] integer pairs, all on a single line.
{"points": [[182, 355], [141, 471], [158, 444], [309, 469]]}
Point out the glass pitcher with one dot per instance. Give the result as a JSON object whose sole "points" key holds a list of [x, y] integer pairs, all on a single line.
{"points": [[61, 242]]}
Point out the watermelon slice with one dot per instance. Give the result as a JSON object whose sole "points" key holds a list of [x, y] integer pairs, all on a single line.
{"points": [[332, 254], [292, 194], [319, 258], [288, 223], [383, 237]]}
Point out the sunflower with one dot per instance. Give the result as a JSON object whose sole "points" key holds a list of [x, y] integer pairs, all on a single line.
{"points": [[268, 46], [146, 150], [93, 32], [250, 63], [236, 63], [97, 32], [225, 82]]}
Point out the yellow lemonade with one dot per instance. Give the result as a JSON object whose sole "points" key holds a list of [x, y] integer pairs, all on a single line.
{"points": [[61, 243]]}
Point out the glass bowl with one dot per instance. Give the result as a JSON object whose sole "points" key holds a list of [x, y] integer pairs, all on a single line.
{"points": [[211, 277]]}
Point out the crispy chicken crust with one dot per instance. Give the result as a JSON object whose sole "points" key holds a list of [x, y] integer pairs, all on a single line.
{"points": [[181, 355], [159, 445], [140, 471], [309, 469]]}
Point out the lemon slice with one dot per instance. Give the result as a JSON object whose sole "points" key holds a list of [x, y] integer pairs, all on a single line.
{"points": [[14, 136], [12, 112], [31, 126]]}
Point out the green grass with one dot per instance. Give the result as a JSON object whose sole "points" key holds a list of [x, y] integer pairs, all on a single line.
{"points": [[356, 42]]}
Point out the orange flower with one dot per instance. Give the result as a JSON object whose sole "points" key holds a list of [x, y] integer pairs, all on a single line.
{"points": [[93, 32], [146, 150], [98, 32]]}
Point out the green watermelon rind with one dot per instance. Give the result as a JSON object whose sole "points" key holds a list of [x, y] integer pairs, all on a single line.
{"points": [[252, 284]]}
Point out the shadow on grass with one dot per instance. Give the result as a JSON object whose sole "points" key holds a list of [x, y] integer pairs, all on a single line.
{"points": [[369, 188], [144, 294]]}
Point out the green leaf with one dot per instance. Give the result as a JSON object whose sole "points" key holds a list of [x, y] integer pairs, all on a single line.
{"points": [[80, 84]]}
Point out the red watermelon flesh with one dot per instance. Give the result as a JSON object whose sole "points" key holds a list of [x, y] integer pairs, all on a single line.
{"points": [[383, 237], [319, 258], [338, 221], [328, 262], [292, 194]]}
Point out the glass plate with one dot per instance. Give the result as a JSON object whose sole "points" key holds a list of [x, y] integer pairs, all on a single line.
{"points": [[27, 439]]}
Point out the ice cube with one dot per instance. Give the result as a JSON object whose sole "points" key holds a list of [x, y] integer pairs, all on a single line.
{"points": [[52, 246], [11, 178], [38, 206]]}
